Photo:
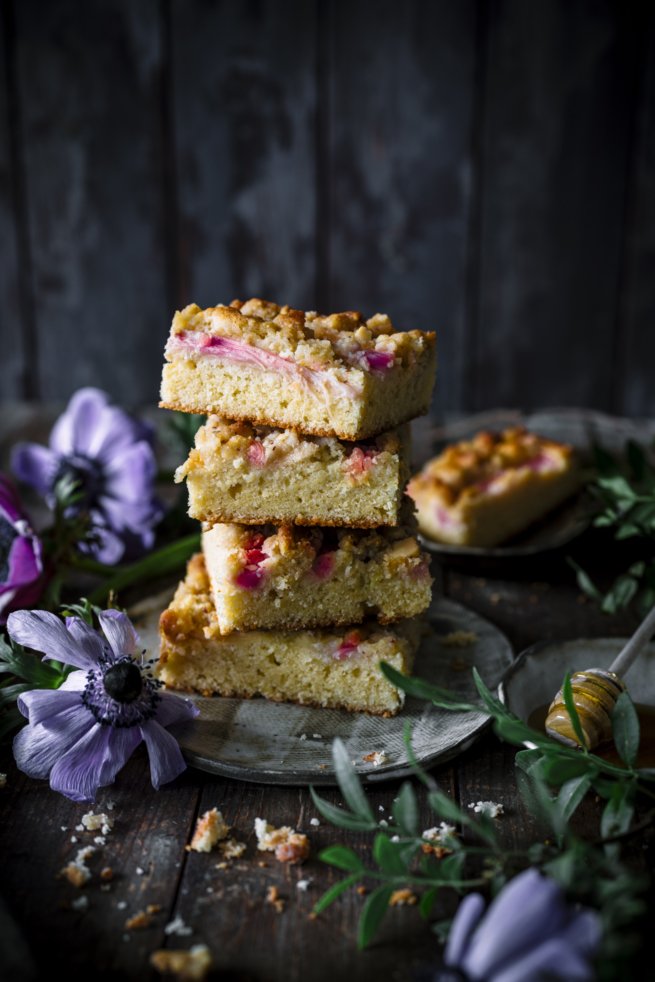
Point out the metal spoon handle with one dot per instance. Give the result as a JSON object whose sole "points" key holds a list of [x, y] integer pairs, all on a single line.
{"points": [[635, 645]]}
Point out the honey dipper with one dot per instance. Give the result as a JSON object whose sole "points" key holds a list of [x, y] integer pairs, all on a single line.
{"points": [[595, 691]]}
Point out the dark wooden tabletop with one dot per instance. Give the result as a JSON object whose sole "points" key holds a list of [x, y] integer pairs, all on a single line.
{"points": [[227, 909]]}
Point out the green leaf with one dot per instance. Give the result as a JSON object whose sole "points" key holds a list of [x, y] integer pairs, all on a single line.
{"points": [[349, 783], [427, 902], [374, 910], [559, 770], [386, 855], [617, 815], [414, 686], [583, 579], [625, 729], [618, 487], [405, 810], [637, 460], [342, 857], [620, 594], [567, 695], [571, 794], [340, 817], [9, 720], [425, 778], [537, 800], [525, 759], [450, 868], [335, 891], [446, 808]]}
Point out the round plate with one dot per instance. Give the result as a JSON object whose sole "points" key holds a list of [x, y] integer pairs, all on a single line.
{"points": [[537, 674], [580, 428], [282, 743]]}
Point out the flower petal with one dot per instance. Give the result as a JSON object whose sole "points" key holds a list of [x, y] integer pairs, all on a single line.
{"points": [[117, 431], [74, 682], [555, 959], [43, 631], [88, 639], [466, 919], [38, 748], [166, 760], [118, 630], [107, 547], [24, 562], [94, 761], [35, 465], [584, 931], [38, 705], [75, 428], [175, 709], [533, 905], [130, 476]]}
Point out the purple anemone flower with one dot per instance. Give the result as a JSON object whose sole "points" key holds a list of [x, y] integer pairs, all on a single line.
{"points": [[528, 934], [109, 455], [80, 735], [21, 566]]}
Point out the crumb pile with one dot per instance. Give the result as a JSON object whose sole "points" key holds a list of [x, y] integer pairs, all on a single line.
{"points": [[310, 572]]}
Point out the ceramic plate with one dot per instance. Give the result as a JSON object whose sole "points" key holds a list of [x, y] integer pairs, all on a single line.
{"points": [[537, 674], [582, 429], [280, 743]]}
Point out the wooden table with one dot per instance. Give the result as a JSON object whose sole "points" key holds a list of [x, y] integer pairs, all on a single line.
{"points": [[227, 909]]}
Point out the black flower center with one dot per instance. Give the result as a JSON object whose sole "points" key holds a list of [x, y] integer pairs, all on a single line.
{"points": [[123, 682], [7, 535], [86, 475]]}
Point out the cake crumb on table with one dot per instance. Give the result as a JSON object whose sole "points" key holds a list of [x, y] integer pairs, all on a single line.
{"points": [[186, 966], [490, 808], [77, 872], [376, 757], [210, 829], [80, 903], [403, 898], [142, 918], [177, 926], [289, 846], [273, 897], [92, 822]]}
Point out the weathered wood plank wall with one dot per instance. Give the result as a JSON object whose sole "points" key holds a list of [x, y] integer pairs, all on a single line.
{"points": [[485, 167]]}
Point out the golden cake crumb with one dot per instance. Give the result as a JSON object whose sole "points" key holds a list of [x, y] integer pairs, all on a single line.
{"points": [[289, 846], [273, 897], [210, 829], [403, 898], [186, 966]]}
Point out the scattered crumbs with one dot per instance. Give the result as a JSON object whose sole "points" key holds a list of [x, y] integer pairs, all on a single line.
{"points": [[79, 828], [121, 905], [490, 808], [458, 639], [73, 839], [289, 846], [140, 871], [314, 821], [317, 736], [437, 840], [3, 780], [138, 921], [312, 915], [383, 823], [106, 874], [80, 903], [395, 838], [321, 767], [100, 840], [186, 966], [376, 757], [64, 828], [77, 872], [273, 897], [303, 736], [232, 849], [221, 865], [381, 808], [110, 806], [403, 898], [362, 890], [210, 829], [303, 885], [262, 864], [209, 890], [178, 927], [92, 822]]}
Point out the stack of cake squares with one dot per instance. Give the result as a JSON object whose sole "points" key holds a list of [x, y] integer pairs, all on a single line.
{"points": [[310, 573]]}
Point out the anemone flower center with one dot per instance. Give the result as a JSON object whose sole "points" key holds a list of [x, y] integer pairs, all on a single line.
{"points": [[86, 474], [123, 682], [7, 535]]}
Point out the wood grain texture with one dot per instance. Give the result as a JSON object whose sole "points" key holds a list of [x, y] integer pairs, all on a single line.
{"points": [[244, 121], [400, 127], [89, 80], [635, 352], [560, 88]]}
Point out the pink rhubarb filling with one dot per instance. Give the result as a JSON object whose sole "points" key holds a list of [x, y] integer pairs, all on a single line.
{"points": [[324, 565], [252, 574], [348, 646], [360, 461]]}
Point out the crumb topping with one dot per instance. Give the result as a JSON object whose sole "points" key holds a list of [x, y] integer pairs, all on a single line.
{"points": [[187, 966], [289, 846], [485, 464], [341, 341]]}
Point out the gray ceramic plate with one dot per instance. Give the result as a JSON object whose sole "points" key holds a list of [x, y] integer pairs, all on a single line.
{"points": [[580, 428], [281, 743], [537, 674]]}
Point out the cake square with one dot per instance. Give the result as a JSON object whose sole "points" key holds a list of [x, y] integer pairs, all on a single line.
{"points": [[481, 492], [338, 668], [335, 375], [257, 475], [289, 578]]}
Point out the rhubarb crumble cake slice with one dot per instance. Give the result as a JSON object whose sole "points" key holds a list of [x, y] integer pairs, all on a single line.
{"points": [[482, 491], [334, 375], [337, 668], [238, 472], [291, 577]]}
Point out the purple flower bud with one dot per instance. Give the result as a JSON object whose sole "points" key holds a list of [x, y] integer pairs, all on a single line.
{"points": [[21, 566], [109, 456], [528, 933]]}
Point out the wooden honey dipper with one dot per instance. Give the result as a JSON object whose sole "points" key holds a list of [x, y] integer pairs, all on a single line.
{"points": [[595, 691]]}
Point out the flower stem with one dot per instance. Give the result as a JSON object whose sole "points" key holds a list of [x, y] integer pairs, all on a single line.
{"points": [[164, 560]]}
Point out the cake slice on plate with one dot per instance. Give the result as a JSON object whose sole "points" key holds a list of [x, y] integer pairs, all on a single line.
{"points": [[481, 492], [335, 375], [238, 472], [290, 577], [337, 668]]}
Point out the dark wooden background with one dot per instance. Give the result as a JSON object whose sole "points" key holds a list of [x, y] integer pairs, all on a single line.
{"points": [[486, 169]]}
